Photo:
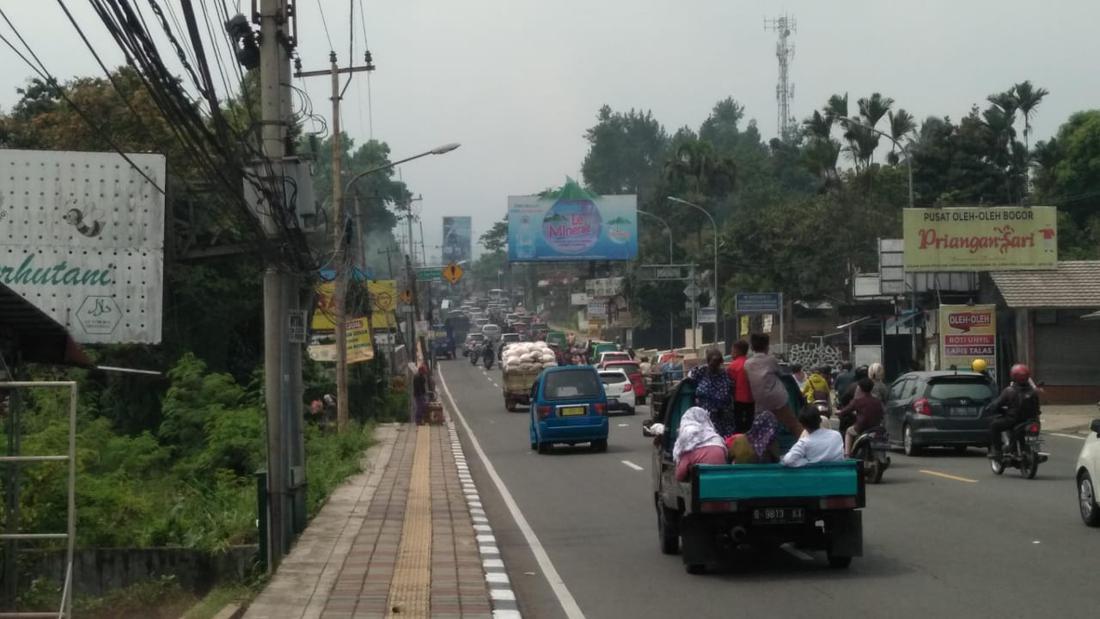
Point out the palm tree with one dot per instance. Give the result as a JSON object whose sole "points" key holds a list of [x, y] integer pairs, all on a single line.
{"points": [[1027, 98], [873, 108], [1006, 102], [817, 126], [836, 107], [901, 124]]}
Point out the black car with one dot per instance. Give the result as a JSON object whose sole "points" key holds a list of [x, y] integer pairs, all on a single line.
{"points": [[939, 409]]}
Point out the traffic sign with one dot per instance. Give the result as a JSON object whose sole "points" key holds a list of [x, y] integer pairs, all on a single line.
{"points": [[691, 290], [429, 274], [406, 296], [452, 273], [759, 302], [708, 315]]}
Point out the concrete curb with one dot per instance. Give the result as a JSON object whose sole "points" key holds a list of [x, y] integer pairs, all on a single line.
{"points": [[502, 596]]}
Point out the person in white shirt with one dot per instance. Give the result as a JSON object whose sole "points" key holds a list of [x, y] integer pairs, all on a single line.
{"points": [[817, 444]]}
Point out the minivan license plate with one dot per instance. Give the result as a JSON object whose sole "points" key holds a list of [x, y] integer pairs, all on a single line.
{"points": [[571, 411], [778, 515]]}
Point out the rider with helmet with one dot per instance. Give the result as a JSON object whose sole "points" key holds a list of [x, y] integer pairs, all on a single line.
{"points": [[1020, 401], [877, 374]]}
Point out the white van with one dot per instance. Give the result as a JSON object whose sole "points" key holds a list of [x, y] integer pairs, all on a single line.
{"points": [[491, 331]]}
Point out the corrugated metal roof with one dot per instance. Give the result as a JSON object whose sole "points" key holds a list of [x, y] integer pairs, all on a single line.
{"points": [[1075, 283]]}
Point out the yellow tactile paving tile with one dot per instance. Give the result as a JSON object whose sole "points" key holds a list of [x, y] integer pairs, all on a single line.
{"points": [[410, 589]]}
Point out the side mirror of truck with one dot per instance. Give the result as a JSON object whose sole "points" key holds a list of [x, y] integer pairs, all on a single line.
{"points": [[1095, 427]]}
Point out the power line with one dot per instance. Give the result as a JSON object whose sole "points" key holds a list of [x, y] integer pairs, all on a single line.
{"points": [[324, 22]]}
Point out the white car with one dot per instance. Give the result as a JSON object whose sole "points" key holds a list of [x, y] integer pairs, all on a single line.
{"points": [[612, 355], [619, 390], [1088, 475], [491, 331]]}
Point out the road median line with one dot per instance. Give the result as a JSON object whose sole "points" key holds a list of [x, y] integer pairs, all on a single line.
{"points": [[947, 476]]}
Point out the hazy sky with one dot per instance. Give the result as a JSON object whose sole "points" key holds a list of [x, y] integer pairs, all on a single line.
{"points": [[517, 82]]}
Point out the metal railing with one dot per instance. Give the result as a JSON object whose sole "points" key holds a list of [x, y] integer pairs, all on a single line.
{"points": [[70, 534]]}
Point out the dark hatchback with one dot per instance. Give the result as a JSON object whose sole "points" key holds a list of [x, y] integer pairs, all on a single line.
{"points": [[939, 409]]}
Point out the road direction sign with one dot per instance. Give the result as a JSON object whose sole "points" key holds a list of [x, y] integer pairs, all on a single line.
{"points": [[452, 273], [429, 274], [759, 302], [664, 272], [708, 315], [406, 296]]}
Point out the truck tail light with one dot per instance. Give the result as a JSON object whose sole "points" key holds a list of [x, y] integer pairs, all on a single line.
{"points": [[838, 502], [710, 507], [545, 411], [600, 408], [922, 407]]}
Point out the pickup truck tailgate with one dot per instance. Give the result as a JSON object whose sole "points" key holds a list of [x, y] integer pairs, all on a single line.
{"points": [[752, 482]]}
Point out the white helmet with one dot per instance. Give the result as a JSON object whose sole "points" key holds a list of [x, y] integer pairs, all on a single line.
{"points": [[876, 372]]}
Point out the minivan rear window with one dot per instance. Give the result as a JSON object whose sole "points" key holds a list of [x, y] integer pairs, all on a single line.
{"points": [[954, 389], [571, 384]]}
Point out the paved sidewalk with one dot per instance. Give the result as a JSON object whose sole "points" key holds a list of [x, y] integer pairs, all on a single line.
{"points": [[397, 540], [1068, 418]]}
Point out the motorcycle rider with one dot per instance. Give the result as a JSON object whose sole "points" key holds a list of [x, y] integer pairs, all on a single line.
{"points": [[1020, 401], [487, 353]]}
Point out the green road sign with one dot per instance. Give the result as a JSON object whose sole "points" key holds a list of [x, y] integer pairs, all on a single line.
{"points": [[429, 274]]}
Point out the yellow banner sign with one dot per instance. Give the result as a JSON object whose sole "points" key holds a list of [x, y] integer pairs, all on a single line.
{"points": [[359, 347], [967, 332], [1000, 238], [383, 296]]}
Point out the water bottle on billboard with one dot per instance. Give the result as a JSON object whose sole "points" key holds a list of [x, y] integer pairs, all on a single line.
{"points": [[526, 249]]}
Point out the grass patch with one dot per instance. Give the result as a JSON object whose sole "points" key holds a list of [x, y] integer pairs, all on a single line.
{"points": [[218, 598]]}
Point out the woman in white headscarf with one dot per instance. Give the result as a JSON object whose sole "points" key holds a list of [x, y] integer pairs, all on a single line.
{"points": [[697, 442]]}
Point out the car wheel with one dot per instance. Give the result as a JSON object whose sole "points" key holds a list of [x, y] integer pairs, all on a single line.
{"points": [[510, 405], [907, 442], [534, 446], [599, 445], [960, 450], [696, 569], [543, 448], [1086, 498], [838, 563]]}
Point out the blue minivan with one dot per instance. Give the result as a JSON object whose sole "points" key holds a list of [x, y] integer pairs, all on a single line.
{"points": [[568, 405]]}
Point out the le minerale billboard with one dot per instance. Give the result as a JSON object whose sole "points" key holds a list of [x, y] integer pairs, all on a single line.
{"points": [[457, 239], [967, 332], [1001, 238], [82, 239], [572, 224]]}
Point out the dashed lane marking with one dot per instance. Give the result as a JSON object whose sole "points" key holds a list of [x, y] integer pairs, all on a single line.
{"points": [[632, 465], [946, 476], [1080, 438]]}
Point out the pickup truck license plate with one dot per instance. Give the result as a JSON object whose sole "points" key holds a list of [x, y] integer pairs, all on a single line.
{"points": [[778, 515], [571, 411]]}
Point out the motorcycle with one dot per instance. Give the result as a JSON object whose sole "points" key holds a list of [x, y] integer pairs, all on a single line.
{"points": [[1025, 454], [871, 447], [488, 357]]}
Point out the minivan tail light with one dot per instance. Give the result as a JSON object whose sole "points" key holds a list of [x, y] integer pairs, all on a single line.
{"points": [[600, 408], [922, 407], [545, 411]]}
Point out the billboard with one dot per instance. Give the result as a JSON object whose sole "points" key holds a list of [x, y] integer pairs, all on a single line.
{"points": [[82, 238], [383, 296], [979, 238], [572, 224], [967, 332], [457, 239], [323, 348]]}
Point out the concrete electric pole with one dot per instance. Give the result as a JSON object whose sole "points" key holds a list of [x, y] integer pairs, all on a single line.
{"points": [[340, 241]]}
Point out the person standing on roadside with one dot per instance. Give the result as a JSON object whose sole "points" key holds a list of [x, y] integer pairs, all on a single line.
{"points": [[743, 405], [420, 394]]}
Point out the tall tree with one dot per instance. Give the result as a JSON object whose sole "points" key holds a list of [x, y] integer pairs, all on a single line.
{"points": [[625, 152], [901, 125]]}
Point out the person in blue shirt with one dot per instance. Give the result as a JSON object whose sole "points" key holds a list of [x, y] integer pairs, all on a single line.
{"points": [[714, 392]]}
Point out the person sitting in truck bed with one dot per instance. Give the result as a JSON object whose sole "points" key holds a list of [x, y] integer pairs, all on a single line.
{"points": [[697, 442], [758, 445], [817, 444]]}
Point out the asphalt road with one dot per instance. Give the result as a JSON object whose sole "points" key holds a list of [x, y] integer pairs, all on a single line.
{"points": [[943, 536]]}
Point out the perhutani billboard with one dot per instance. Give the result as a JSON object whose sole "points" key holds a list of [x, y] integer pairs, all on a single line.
{"points": [[572, 224], [967, 332], [457, 238], [980, 238], [82, 238]]}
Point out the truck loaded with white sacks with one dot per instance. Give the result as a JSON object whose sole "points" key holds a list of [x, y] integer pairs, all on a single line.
{"points": [[521, 363]]}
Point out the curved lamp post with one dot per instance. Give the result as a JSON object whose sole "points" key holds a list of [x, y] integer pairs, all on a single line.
{"points": [[717, 304]]}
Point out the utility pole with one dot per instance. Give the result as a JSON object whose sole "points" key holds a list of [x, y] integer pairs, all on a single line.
{"points": [[339, 241], [278, 282]]}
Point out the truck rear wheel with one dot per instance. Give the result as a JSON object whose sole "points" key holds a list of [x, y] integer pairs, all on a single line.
{"points": [[510, 405], [668, 530], [838, 563], [696, 569]]}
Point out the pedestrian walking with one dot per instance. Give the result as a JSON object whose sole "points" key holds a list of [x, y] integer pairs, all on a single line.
{"points": [[420, 394]]}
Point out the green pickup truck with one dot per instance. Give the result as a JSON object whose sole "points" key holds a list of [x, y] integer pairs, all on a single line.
{"points": [[724, 507]]}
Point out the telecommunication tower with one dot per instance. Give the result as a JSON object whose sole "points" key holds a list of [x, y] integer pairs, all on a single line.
{"points": [[785, 25]]}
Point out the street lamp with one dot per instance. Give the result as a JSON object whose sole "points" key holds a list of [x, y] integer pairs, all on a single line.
{"points": [[668, 231], [904, 149], [717, 305], [340, 286]]}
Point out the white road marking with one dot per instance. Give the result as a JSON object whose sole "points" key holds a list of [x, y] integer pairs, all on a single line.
{"points": [[632, 465], [1080, 438], [565, 598], [624, 425], [798, 554]]}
